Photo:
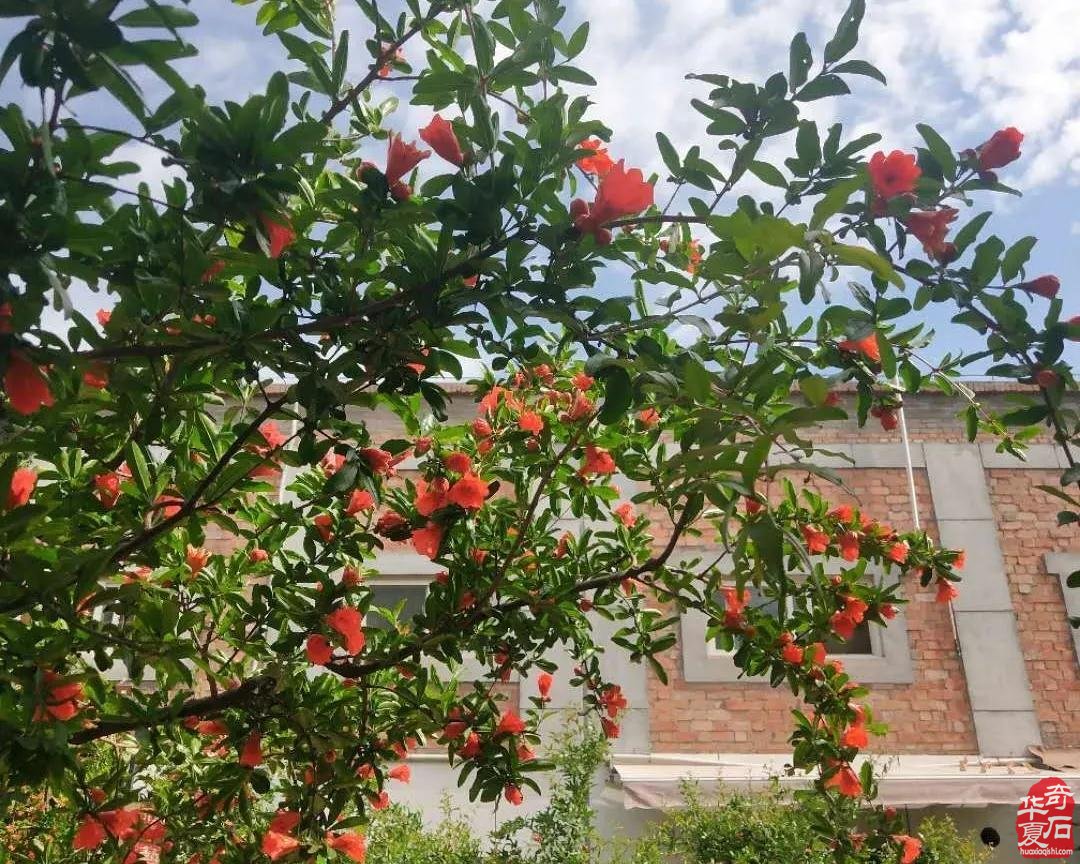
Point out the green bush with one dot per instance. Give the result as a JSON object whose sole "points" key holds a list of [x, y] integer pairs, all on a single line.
{"points": [[770, 828], [398, 836]]}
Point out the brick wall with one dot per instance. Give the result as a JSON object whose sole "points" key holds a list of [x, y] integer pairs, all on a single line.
{"points": [[1027, 523], [929, 715]]}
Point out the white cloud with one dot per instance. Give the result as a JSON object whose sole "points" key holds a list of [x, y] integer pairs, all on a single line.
{"points": [[967, 66]]}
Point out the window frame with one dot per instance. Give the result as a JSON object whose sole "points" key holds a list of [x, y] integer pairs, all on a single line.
{"points": [[1061, 564], [890, 663]]}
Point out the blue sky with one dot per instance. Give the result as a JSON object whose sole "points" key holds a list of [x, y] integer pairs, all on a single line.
{"points": [[968, 67]]}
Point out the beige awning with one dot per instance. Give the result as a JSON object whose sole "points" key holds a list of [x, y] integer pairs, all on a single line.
{"points": [[654, 781]]}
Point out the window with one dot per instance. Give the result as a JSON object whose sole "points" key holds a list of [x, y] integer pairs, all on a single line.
{"points": [[407, 598], [873, 655], [860, 643], [1061, 564]]}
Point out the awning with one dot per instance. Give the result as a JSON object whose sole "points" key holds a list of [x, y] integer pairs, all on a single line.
{"points": [[654, 781]]}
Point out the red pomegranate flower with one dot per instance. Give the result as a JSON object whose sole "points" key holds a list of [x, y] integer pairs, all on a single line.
{"points": [[439, 135], [894, 174], [1002, 148]]}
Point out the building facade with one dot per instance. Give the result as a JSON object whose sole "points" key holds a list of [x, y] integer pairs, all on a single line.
{"points": [[982, 698]]}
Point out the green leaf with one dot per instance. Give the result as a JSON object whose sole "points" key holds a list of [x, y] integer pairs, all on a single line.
{"points": [[140, 470], [815, 389], [575, 76], [822, 87], [618, 394], [723, 122], [939, 149], [1016, 258], [800, 59], [668, 153], [987, 258], [768, 174], [966, 235], [847, 32], [808, 144], [861, 67], [834, 201], [697, 379], [868, 259], [576, 43], [1073, 580], [157, 15]]}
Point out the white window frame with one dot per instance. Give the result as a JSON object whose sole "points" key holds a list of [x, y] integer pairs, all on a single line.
{"points": [[1061, 564], [890, 663]]}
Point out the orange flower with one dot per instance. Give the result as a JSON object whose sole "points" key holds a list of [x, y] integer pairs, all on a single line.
{"points": [[792, 653], [196, 559], [849, 546], [583, 381], [90, 834], [251, 755], [439, 135], [612, 700], [609, 727], [509, 724], [597, 461], [481, 428], [331, 463], [844, 780], [349, 623], [649, 417], [1043, 286], [285, 821], [894, 174], [599, 163], [323, 523], [426, 540], [107, 488], [930, 227], [458, 462], [401, 158], [379, 461], [318, 649], [530, 421], [867, 346], [400, 772], [625, 514], [946, 591], [23, 481], [359, 500], [513, 794], [280, 235], [351, 844], [380, 801], [898, 552], [817, 541], [621, 193], [276, 845], [97, 376], [543, 684], [855, 736], [431, 497], [910, 847], [103, 317], [26, 387], [61, 698], [469, 492], [1002, 148], [471, 748]]}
